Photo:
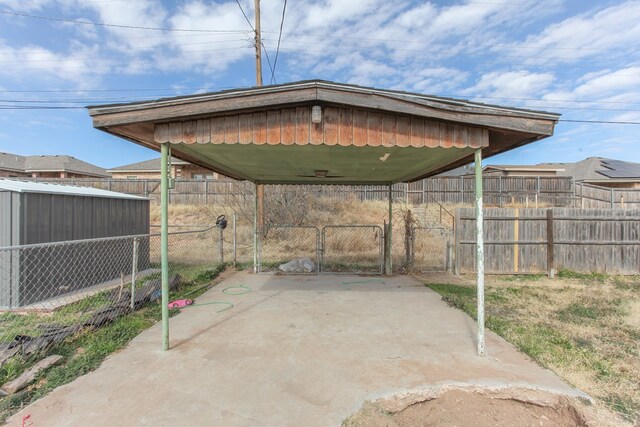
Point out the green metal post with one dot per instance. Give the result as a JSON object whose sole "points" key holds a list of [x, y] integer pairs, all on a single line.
{"points": [[479, 250], [255, 230], [164, 241], [388, 266]]}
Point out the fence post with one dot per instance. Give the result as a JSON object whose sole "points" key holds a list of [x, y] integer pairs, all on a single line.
{"points": [[613, 201], [235, 237], [462, 190], [456, 232], [221, 244], [134, 271], [424, 195], [550, 244], [206, 191]]}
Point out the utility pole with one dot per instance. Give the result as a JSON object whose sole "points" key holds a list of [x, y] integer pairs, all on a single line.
{"points": [[259, 187], [258, 45]]}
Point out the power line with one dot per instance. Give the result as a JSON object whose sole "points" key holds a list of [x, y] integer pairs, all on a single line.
{"points": [[245, 15], [99, 24], [93, 59], [507, 46], [275, 61], [269, 62]]}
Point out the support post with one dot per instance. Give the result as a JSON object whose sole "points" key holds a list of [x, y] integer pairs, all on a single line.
{"points": [[479, 251], [164, 241], [134, 272], [550, 245], [255, 230], [388, 265]]}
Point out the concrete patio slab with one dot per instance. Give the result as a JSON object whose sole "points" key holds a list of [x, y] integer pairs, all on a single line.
{"points": [[295, 350]]}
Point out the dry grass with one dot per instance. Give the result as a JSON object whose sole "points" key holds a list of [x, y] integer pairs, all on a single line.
{"points": [[344, 246], [586, 328]]}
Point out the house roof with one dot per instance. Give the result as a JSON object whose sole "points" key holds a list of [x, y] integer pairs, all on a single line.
{"points": [[12, 162], [598, 168], [49, 163], [273, 134], [525, 168], [619, 169], [151, 165], [48, 188]]}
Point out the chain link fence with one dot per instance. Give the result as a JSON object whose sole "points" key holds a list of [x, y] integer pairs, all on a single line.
{"points": [[431, 249], [352, 248], [281, 244], [51, 291]]}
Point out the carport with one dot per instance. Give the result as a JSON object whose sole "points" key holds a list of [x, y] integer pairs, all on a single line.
{"points": [[318, 132]]}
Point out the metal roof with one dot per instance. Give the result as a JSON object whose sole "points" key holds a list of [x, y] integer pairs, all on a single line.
{"points": [[45, 187], [230, 93]]}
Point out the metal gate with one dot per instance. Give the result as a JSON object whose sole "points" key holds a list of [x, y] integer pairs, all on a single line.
{"points": [[283, 243], [431, 249], [352, 249]]}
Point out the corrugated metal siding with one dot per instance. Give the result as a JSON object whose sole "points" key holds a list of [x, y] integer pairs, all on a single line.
{"points": [[56, 217], [30, 218]]}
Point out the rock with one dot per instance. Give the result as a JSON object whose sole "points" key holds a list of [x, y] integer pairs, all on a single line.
{"points": [[300, 265]]}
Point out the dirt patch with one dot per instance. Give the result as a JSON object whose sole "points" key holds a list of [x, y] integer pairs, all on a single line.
{"points": [[471, 407]]}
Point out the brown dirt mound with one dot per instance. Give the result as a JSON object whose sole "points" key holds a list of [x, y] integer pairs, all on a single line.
{"points": [[466, 408]]}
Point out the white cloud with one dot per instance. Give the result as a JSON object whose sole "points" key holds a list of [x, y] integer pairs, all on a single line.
{"points": [[512, 84], [81, 65], [616, 28]]}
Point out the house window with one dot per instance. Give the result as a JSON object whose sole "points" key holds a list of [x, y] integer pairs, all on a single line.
{"points": [[132, 176], [196, 176], [209, 176]]}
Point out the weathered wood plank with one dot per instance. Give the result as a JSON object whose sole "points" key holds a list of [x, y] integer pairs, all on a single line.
{"points": [[330, 121], [203, 131], [274, 130], [217, 130], [231, 130], [374, 129], [303, 122], [288, 124], [245, 133], [259, 121], [175, 132], [417, 132], [346, 126], [360, 124], [388, 130], [432, 134], [189, 132], [161, 133], [403, 135], [30, 374]]}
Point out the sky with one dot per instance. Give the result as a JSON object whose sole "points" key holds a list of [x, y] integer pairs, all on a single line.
{"points": [[577, 58]]}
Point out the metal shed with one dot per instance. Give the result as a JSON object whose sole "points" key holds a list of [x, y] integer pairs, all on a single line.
{"points": [[33, 216]]}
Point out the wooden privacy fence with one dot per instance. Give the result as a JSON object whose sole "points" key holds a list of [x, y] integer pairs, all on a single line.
{"points": [[538, 240], [592, 196], [498, 191]]}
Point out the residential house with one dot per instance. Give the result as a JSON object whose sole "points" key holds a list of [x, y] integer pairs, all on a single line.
{"points": [[521, 170], [50, 166], [603, 172], [150, 169]]}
